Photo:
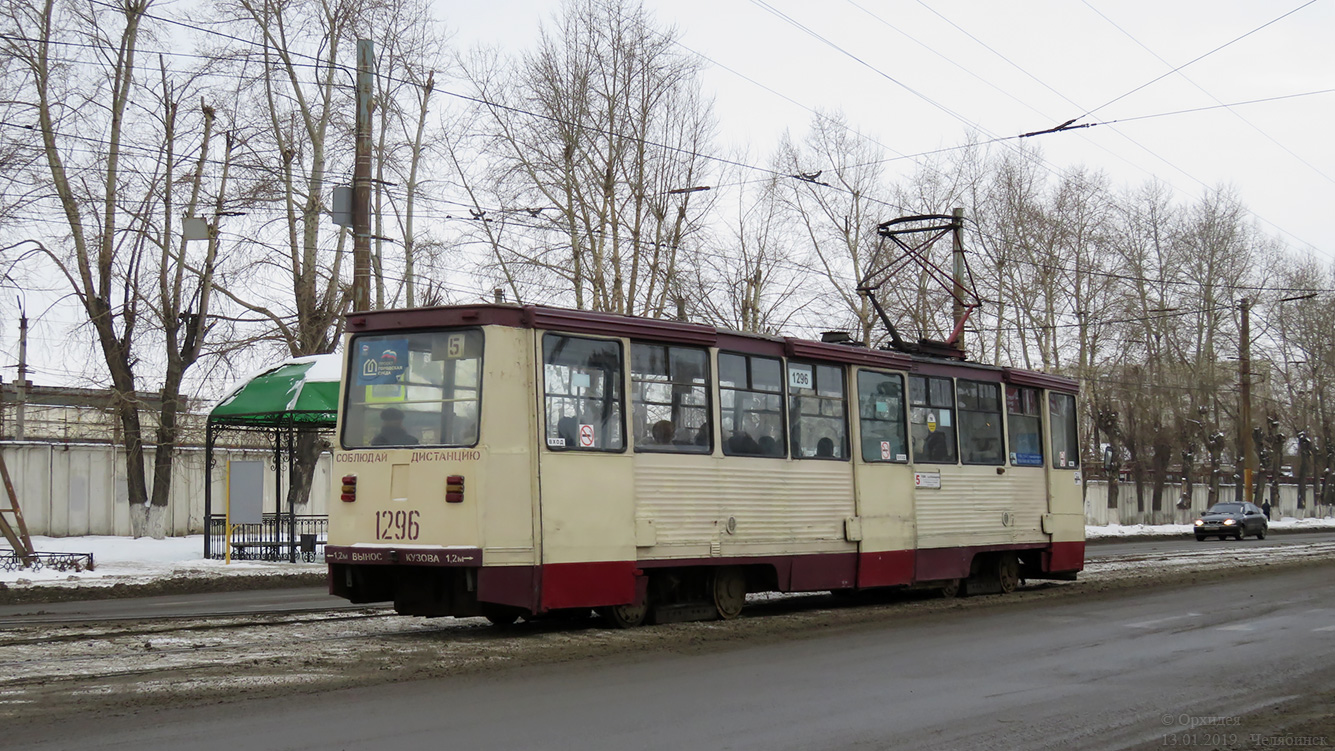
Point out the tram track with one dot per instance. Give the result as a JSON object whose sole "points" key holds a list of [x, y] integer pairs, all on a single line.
{"points": [[57, 619], [173, 625]]}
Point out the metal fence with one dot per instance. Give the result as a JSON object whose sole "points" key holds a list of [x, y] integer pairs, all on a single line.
{"points": [[12, 561], [279, 537]]}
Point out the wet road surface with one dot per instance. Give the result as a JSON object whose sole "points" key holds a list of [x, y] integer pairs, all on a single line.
{"points": [[1123, 669]]}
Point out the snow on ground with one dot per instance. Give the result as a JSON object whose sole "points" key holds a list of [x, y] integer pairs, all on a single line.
{"points": [[1170, 530], [127, 559]]}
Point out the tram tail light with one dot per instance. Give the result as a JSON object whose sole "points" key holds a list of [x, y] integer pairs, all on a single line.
{"points": [[454, 489], [349, 488]]}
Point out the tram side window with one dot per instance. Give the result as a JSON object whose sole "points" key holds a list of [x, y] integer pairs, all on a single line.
{"points": [[669, 398], [881, 417], [582, 382], [932, 419], [817, 411], [1065, 440], [414, 389], [1024, 424], [751, 404], [980, 423]]}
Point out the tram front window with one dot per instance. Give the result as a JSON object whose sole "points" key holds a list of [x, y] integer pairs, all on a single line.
{"points": [[412, 389]]}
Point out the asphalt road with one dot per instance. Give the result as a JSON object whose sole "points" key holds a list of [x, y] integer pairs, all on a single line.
{"points": [[1124, 669]]}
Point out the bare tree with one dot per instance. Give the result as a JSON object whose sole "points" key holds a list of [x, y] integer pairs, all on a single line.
{"points": [[751, 283], [410, 51], [837, 199], [293, 58], [183, 302], [605, 125], [1303, 358], [75, 75]]}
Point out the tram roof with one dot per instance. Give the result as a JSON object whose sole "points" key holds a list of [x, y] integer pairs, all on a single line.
{"points": [[682, 332]]}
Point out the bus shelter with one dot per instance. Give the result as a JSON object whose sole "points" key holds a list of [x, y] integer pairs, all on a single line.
{"points": [[294, 408]]}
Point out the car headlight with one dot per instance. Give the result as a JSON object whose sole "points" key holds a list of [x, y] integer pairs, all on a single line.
{"points": [[1230, 521], [1199, 522]]}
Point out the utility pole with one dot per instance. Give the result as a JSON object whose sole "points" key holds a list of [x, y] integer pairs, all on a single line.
{"points": [[361, 180], [957, 251], [21, 385], [1245, 410]]}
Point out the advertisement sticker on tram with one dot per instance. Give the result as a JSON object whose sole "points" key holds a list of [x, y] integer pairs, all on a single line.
{"points": [[382, 361]]}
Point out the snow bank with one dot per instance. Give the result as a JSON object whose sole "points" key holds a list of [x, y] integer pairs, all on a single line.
{"points": [[1171, 530], [139, 560]]}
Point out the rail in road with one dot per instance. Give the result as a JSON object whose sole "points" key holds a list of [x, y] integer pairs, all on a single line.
{"points": [[285, 601]]}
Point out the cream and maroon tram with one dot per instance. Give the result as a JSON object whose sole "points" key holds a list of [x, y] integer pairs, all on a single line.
{"points": [[502, 461]]}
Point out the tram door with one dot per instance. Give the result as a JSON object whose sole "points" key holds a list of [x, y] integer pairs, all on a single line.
{"points": [[883, 479], [1026, 475], [1065, 521], [585, 478]]}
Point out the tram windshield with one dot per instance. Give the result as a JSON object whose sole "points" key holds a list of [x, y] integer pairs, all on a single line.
{"points": [[420, 388]]}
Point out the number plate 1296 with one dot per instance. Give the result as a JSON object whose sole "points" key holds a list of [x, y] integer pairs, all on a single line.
{"points": [[397, 525]]}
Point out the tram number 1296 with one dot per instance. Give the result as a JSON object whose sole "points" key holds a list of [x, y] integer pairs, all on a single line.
{"points": [[396, 525]]}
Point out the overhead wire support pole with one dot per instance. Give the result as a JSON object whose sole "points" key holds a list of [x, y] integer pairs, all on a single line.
{"points": [[957, 255], [21, 385], [1245, 409], [361, 180]]}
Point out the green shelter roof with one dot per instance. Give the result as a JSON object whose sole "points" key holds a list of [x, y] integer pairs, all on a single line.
{"points": [[301, 391]]}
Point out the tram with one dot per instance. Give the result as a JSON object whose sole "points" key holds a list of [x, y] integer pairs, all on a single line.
{"points": [[506, 461]]}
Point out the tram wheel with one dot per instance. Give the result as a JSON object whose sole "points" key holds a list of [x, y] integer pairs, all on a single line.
{"points": [[1008, 573], [625, 616], [729, 589], [951, 589]]}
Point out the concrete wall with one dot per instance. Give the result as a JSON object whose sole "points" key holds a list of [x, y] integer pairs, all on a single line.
{"points": [[1097, 511], [70, 490]]}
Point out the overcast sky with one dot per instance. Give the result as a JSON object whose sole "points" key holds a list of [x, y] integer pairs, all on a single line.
{"points": [[1005, 68]]}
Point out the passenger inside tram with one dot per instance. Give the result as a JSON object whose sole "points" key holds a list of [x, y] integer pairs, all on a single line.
{"points": [[663, 431], [825, 447], [392, 432]]}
